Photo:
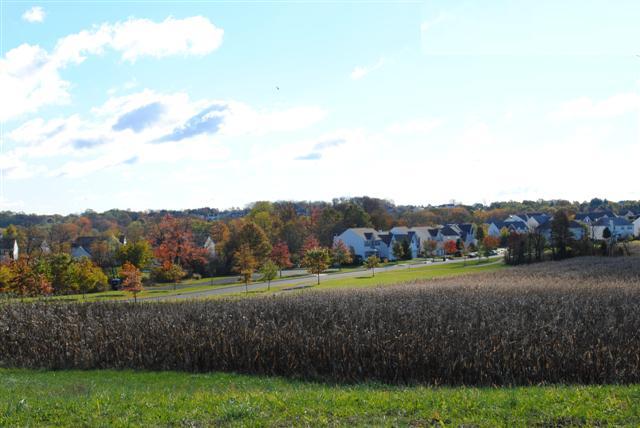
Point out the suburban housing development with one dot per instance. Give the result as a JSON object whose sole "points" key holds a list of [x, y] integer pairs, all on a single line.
{"points": [[364, 242]]}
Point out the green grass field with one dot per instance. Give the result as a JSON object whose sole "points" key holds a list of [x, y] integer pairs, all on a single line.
{"points": [[413, 273], [112, 398]]}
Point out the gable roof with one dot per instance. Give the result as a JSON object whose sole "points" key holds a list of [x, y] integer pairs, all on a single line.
{"points": [[617, 221], [449, 231], [7, 243]]}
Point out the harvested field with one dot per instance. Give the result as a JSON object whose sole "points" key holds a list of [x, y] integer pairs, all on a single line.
{"points": [[565, 322]]}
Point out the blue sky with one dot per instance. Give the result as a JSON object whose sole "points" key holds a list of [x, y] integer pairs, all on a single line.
{"points": [[147, 105]]}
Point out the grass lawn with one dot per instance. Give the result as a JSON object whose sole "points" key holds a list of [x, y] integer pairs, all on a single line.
{"points": [[112, 398], [412, 273]]}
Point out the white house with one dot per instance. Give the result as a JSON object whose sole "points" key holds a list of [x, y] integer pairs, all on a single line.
{"points": [[636, 227], [410, 236], [619, 227], [576, 229], [365, 241]]}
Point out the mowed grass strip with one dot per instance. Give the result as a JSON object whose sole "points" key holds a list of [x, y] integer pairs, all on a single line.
{"points": [[412, 273], [127, 398]]}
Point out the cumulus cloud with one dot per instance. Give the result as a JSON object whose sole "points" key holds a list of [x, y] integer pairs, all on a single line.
{"points": [[35, 14], [30, 76], [360, 71]]}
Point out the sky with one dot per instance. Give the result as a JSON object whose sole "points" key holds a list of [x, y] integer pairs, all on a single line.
{"points": [[148, 105]]}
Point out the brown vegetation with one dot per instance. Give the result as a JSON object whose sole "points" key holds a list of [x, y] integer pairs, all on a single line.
{"points": [[563, 322]]}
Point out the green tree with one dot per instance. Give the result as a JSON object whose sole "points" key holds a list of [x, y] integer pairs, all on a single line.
{"points": [[316, 260], [372, 262], [88, 277], [560, 234], [268, 271], [406, 249], [398, 250], [138, 253]]}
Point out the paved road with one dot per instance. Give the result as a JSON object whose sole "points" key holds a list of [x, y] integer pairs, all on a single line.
{"points": [[300, 281]]}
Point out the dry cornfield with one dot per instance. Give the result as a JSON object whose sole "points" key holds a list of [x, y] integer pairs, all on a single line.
{"points": [[575, 321]]}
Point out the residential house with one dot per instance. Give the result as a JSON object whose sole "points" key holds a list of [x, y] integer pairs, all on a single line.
{"points": [[619, 227], [630, 215], [9, 249], [495, 228], [365, 241], [594, 216], [576, 229], [636, 227], [411, 237], [81, 247]]}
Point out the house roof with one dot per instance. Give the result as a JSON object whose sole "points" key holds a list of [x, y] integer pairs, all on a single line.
{"points": [[363, 232], [594, 215], [385, 237], [449, 231], [7, 243], [518, 225], [617, 221]]}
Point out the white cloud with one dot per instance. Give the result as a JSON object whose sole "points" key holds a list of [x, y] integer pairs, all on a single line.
{"points": [[360, 71], [30, 76], [30, 80], [586, 108], [141, 37], [35, 14], [415, 126], [176, 129]]}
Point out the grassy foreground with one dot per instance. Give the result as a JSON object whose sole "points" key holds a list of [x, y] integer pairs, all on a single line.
{"points": [[112, 398]]}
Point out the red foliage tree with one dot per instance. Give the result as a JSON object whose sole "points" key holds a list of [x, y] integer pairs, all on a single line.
{"points": [[174, 244], [450, 247], [280, 256], [309, 243], [131, 280]]}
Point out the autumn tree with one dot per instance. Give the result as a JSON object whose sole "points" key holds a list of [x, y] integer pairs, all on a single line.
{"points": [[340, 253], [372, 262], [245, 264], [131, 280], [6, 277], [429, 248], [88, 277], [316, 260], [450, 247], [268, 271], [489, 244], [254, 237], [174, 244], [310, 242], [27, 282], [280, 256]]}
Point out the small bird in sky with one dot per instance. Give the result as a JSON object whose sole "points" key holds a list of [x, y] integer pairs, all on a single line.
{"points": [[278, 88]]}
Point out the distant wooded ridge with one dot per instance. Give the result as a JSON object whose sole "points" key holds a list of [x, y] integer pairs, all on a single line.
{"points": [[373, 206]]}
